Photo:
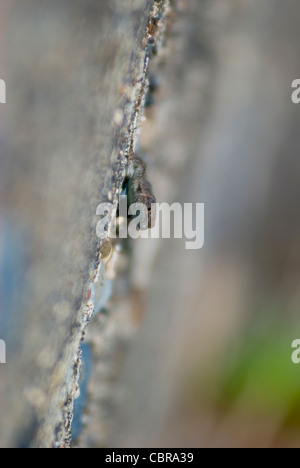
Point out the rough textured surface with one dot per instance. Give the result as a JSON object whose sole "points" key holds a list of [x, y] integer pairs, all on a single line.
{"points": [[75, 73]]}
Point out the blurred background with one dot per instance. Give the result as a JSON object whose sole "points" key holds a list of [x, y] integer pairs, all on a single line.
{"points": [[187, 348]]}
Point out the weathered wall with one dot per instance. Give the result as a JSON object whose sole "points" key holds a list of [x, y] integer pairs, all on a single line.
{"points": [[75, 74]]}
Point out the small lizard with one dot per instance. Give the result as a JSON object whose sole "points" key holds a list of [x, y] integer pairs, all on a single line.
{"points": [[139, 189]]}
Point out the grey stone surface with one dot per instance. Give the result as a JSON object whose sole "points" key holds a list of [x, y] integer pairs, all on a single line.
{"points": [[75, 75]]}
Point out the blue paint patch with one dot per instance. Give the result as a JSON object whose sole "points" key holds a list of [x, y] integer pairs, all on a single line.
{"points": [[14, 263], [107, 290], [81, 402]]}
